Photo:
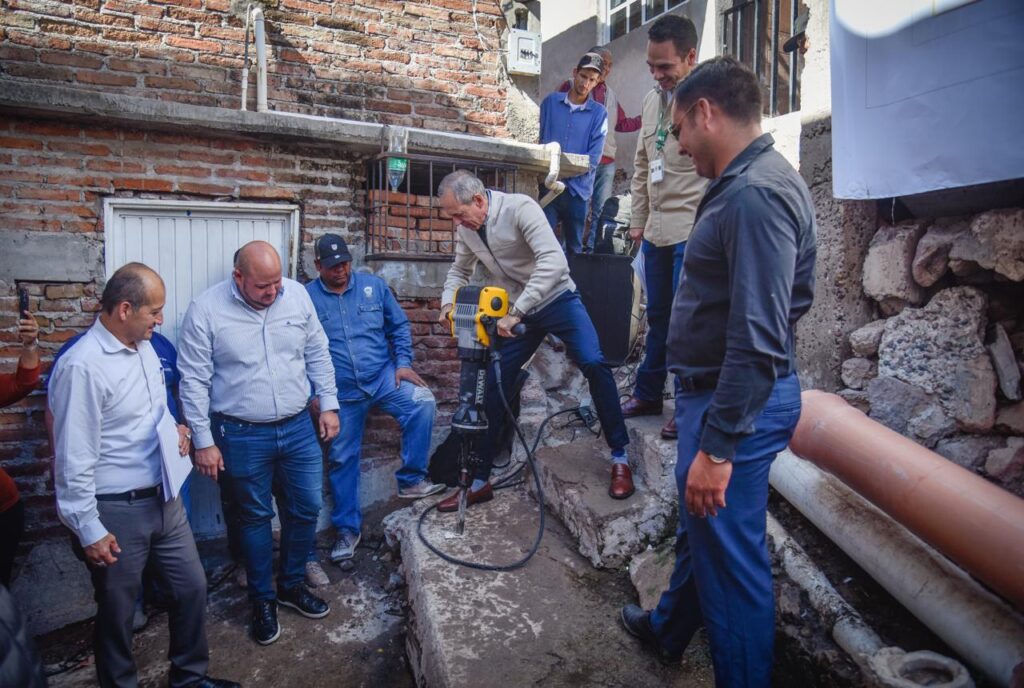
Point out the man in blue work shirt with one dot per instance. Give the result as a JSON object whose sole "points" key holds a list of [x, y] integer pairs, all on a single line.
{"points": [[748, 277], [579, 124], [371, 347]]}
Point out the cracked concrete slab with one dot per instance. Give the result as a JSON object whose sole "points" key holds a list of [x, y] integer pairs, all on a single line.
{"points": [[653, 458], [609, 531], [553, 622]]}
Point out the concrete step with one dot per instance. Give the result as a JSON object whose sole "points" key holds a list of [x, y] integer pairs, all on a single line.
{"points": [[553, 622], [652, 458], [608, 531]]}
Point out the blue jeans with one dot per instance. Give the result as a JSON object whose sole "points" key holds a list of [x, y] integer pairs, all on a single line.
{"points": [[662, 267], [255, 457], [604, 177], [571, 211], [567, 319], [413, 407], [722, 577]]}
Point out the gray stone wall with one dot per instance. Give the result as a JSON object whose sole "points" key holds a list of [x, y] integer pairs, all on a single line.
{"points": [[844, 230], [943, 366]]}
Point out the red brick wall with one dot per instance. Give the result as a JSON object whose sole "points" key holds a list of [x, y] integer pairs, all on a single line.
{"points": [[422, 63], [53, 177], [437, 364], [62, 310]]}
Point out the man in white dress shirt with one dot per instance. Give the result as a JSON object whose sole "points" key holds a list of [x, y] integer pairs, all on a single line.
{"points": [[248, 349], [108, 396]]}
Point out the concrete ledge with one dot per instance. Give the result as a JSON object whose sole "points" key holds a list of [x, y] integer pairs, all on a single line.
{"points": [[37, 98], [49, 256]]}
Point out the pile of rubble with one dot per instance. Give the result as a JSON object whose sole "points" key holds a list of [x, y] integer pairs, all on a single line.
{"points": [[943, 365]]}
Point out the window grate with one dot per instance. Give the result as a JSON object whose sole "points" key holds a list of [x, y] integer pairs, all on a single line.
{"points": [[406, 223], [753, 32]]}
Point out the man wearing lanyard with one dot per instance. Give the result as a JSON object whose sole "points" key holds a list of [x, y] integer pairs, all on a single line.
{"points": [[248, 349], [748, 279], [371, 348], [108, 397], [666, 190]]}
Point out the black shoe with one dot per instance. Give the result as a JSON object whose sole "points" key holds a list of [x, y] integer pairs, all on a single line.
{"points": [[304, 602], [211, 682], [264, 622], [638, 623]]}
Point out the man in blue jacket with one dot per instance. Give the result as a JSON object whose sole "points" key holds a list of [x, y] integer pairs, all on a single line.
{"points": [[371, 347], [579, 124]]}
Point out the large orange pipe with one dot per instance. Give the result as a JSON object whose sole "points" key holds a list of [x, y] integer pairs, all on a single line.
{"points": [[976, 524]]}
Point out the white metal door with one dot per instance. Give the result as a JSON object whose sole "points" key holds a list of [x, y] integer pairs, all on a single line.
{"points": [[191, 245]]}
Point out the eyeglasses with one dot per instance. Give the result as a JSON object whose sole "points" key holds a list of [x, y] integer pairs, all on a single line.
{"points": [[674, 130]]}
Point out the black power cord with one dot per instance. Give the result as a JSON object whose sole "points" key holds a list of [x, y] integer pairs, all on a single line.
{"points": [[503, 483]]}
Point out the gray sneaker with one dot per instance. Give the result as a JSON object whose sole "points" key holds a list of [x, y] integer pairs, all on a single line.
{"points": [[345, 546], [423, 488], [316, 577]]}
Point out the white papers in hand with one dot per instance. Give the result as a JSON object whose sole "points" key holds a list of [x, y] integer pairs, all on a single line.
{"points": [[175, 466]]}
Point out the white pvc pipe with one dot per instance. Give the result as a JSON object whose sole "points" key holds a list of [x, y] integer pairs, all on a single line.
{"points": [[885, 667], [978, 625], [260, 37], [554, 186], [245, 60]]}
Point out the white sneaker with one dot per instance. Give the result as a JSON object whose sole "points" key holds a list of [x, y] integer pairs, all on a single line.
{"points": [[315, 575], [423, 488], [345, 546]]}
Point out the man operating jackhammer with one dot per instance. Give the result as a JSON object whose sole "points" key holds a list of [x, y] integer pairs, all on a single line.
{"points": [[510, 236]]}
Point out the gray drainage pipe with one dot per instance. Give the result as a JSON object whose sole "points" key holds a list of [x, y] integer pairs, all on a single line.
{"points": [[890, 667], [979, 626]]}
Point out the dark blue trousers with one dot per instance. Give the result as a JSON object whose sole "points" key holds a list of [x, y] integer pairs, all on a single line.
{"points": [[662, 267], [571, 211], [567, 319], [722, 577]]}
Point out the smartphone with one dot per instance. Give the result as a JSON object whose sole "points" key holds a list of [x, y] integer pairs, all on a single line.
{"points": [[22, 301]]}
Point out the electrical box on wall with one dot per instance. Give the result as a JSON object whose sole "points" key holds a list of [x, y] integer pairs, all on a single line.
{"points": [[523, 52]]}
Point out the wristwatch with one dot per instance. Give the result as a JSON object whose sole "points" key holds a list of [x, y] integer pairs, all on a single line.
{"points": [[516, 313], [717, 459]]}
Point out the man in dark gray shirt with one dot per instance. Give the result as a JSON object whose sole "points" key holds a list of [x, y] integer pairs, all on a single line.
{"points": [[748, 276]]}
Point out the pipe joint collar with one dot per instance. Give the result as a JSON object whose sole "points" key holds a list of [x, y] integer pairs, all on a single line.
{"points": [[894, 668]]}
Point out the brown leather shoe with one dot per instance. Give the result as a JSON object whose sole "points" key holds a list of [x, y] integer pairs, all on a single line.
{"points": [[622, 482], [640, 407], [451, 502], [669, 432]]}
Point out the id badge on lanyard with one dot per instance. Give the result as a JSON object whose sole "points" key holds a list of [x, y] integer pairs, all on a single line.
{"points": [[658, 164], [657, 170]]}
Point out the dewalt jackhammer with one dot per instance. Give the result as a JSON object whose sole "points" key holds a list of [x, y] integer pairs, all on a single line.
{"points": [[474, 322]]}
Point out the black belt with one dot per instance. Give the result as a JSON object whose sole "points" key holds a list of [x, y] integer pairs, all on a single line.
{"points": [[241, 421], [699, 383], [130, 495]]}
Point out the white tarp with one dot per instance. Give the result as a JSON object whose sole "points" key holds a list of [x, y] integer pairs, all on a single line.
{"points": [[926, 95]]}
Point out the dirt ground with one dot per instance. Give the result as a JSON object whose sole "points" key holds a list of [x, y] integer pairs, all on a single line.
{"points": [[361, 643]]}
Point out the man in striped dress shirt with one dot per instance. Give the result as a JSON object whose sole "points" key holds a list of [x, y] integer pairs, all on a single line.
{"points": [[248, 350]]}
